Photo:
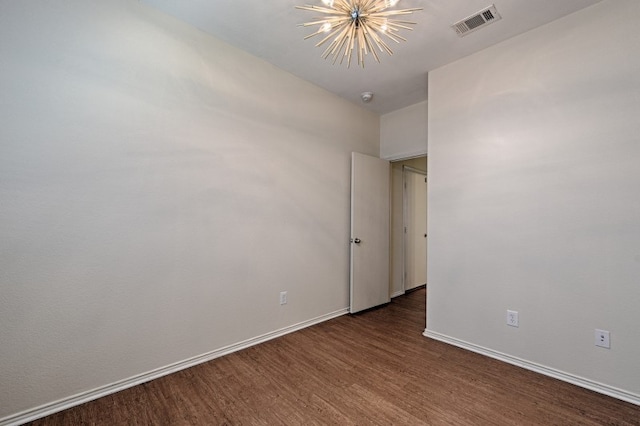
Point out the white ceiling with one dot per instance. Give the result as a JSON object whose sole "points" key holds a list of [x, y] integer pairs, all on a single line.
{"points": [[269, 29]]}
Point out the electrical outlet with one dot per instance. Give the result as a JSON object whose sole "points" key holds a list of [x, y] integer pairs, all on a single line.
{"points": [[512, 318], [283, 297], [602, 339]]}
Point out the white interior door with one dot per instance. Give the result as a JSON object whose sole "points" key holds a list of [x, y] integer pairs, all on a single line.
{"points": [[415, 229], [370, 207]]}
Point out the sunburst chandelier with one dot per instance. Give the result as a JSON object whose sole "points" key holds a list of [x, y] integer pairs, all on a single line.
{"points": [[357, 25]]}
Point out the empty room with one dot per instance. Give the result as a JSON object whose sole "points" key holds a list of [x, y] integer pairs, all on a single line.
{"points": [[319, 212]]}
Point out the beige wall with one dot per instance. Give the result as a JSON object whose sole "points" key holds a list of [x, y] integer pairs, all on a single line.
{"points": [[403, 133], [158, 189], [534, 202]]}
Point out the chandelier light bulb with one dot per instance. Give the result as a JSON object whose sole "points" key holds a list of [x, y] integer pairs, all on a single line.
{"points": [[360, 26]]}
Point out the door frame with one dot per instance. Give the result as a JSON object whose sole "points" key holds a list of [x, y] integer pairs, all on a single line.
{"points": [[405, 213]]}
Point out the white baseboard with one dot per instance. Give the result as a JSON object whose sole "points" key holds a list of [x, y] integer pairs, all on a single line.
{"points": [[397, 293], [81, 398], [547, 371]]}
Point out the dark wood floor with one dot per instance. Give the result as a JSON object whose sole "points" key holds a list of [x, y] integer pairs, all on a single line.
{"points": [[371, 368]]}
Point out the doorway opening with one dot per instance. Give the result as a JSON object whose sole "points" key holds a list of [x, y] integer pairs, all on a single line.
{"points": [[408, 225]]}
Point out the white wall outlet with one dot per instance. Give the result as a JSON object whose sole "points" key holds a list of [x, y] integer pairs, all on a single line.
{"points": [[512, 318], [283, 297], [602, 339]]}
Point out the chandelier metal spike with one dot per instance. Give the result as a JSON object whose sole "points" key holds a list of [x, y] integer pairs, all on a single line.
{"points": [[357, 25]]}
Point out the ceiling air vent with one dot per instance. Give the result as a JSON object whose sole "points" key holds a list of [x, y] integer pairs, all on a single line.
{"points": [[476, 21]]}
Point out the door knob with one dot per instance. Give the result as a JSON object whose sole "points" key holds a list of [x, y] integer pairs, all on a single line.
{"points": [[357, 240]]}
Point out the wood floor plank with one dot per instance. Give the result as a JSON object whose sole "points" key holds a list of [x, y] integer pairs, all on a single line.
{"points": [[370, 368]]}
